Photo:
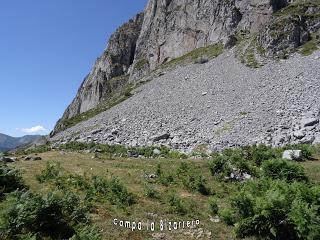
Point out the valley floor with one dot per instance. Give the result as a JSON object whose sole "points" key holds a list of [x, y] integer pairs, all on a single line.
{"points": [[138, 176]]}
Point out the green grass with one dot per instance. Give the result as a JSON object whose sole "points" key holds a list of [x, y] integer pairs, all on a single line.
{"points": [[210, 52], [248, 48], [309, 47], [251, 59], [298, 8], [141, 64], [175, 201], [175, 194], [111, 102]]}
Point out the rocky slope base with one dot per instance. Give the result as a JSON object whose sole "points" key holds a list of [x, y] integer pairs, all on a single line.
{"points": [[214, 105], [167, 30]]}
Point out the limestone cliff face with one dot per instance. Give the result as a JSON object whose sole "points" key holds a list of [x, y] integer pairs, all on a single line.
{"points": [[168, 29], [172, 28], [115, 61], [291, 28]]}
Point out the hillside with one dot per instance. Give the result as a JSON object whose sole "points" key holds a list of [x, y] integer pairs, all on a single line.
{"points": [[200, 120], [258, 90], [85, 194], [8, 143], [218, 104]]}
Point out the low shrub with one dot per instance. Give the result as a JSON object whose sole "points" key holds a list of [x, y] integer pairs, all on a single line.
{"points": [[56, 216], [213, 205], [276, 209], [95, 188], [260, 153], [151, 192], [220, 166], [87, 233], [191, 178], [10, 180], [178, 205], [165, 178], [112, 190], [51, 172], [121, 150], [34, 150], [227, 216], [283, 170]]}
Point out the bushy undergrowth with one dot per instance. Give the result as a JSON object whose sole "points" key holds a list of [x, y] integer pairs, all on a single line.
{"points": [[95, 188], [120, 150], [151, 192], [178, 205], [191, 178], [187, 175], [252, 159], [34, 150], [213, 205], [275, 209], [283, 170], [87, 233], [112, 190], [56, 215], [51, 172], [10, 180]]}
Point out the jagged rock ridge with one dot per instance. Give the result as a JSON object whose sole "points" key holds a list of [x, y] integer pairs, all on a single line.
{"points": [[171, 28], [215, 105], [114, 62]]}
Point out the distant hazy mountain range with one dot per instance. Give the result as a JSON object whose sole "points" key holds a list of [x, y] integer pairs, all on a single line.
{"points": [[9, 143]]}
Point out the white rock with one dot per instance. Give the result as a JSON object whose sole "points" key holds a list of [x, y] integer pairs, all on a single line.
{"points": [[317, 139], [156, 151], [305, 122], [299, 134], [292, 154], [215, 219]]}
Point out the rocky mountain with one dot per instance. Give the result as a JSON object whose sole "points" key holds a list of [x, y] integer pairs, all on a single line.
{"points": [[158, 43], [109, 72], [9, 143], [221, 103]]}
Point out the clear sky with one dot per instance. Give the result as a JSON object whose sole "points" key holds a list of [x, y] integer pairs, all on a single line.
{"points": [[47, 47]]}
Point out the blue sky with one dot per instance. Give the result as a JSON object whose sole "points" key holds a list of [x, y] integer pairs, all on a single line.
{"points": [[46, 49]]}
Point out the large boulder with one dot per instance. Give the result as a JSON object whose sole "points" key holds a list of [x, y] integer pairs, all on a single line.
{"points": [[8, 159], [292, 155], [306, 122]]}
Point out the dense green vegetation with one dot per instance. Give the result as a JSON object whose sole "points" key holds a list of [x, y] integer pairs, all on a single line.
{"points": [[275, 209], [10, 180], [57, 215]]}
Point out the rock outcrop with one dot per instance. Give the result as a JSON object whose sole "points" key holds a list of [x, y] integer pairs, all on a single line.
{"points": [[169, 29], [174, 28], [108, 73], [219, 104], [292, 27]]}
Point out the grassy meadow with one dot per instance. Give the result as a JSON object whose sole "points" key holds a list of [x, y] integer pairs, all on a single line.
{"points": [[151, 189]]}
